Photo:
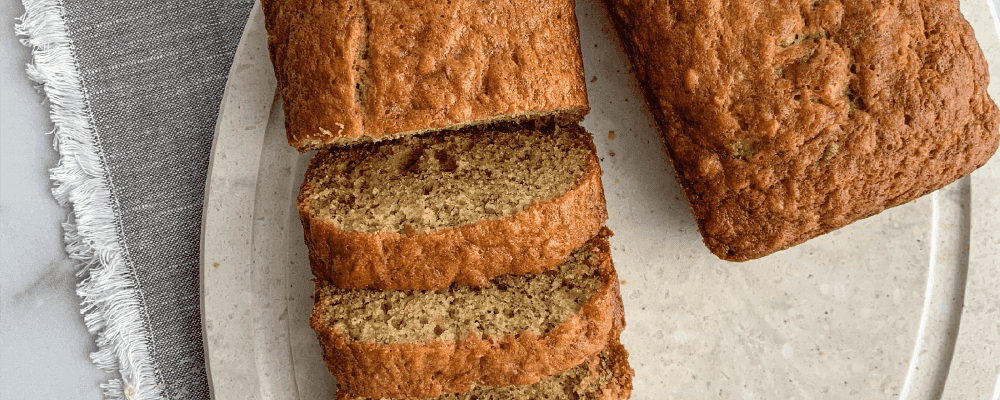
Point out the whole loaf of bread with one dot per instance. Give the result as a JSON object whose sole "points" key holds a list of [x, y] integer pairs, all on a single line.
{"points": [[786, 120], [362, 70]]}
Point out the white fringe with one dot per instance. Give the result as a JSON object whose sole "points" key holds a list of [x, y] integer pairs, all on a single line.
{"points": [[110, 300]]}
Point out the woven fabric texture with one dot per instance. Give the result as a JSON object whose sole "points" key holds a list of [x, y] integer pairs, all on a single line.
{"points": [[152, 76]]}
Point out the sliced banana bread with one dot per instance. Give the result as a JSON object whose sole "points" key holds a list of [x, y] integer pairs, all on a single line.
{"points": [[603, 376], [362, 70], [517, 330], [786, 120], [421, 212]]}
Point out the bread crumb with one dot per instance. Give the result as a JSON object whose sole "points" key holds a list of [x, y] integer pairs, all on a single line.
{"points": [[624, 282], [612, 154], [128, 390], [594, 79], [216, 265], [611, 135]]}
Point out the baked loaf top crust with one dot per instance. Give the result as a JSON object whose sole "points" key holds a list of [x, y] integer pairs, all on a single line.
{"points": [[430, 368], [451, 207], [788, 120], [367, 69]]}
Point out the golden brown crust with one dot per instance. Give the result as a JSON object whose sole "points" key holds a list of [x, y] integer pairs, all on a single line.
{"points": [[367, 69], [535, 240], [620, 386], [428, 369], [786, 121]]}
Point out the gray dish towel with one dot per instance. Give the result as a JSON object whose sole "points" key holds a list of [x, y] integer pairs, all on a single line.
{"points": [[134, 89]]}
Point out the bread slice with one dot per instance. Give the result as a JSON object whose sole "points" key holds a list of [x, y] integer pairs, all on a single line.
{"points": [[788, 120], [364, 70], [517, 330], [603, 376], [424, 211]]}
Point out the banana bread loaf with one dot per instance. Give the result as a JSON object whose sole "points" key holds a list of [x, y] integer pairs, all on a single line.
{"points": [[788, 120], [424, 211], [362, 70], [517, 330]]}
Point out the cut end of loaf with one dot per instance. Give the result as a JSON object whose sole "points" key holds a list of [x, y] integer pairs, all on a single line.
{"points": [[446, 179], [334, 136]]}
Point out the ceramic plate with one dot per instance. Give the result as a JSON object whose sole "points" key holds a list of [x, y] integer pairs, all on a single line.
{"points": [[902, 304]]}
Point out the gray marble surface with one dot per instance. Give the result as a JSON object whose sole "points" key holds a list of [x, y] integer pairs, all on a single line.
{"points": [[44, 345]]}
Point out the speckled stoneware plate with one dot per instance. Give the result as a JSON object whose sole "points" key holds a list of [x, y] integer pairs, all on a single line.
{"points": [[904, 304]]}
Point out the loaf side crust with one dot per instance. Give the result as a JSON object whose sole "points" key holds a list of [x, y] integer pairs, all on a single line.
{"points": [[363, 70], [532, 241], [787, 121], [618, 387], [434, 367]]}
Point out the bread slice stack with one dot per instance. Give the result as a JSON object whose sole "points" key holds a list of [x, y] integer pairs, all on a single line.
{"points": [[454, 212]]}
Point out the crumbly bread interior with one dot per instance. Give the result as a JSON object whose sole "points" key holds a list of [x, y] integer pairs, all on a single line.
{"points": [[561, 116], [446, 179], [509, 304], [575, 384]]}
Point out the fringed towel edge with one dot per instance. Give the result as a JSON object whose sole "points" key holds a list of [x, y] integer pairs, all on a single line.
{"points": [[110, 299]]}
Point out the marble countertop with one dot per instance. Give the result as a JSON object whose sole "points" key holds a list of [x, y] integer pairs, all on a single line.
{"points": [[44, 344]]}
